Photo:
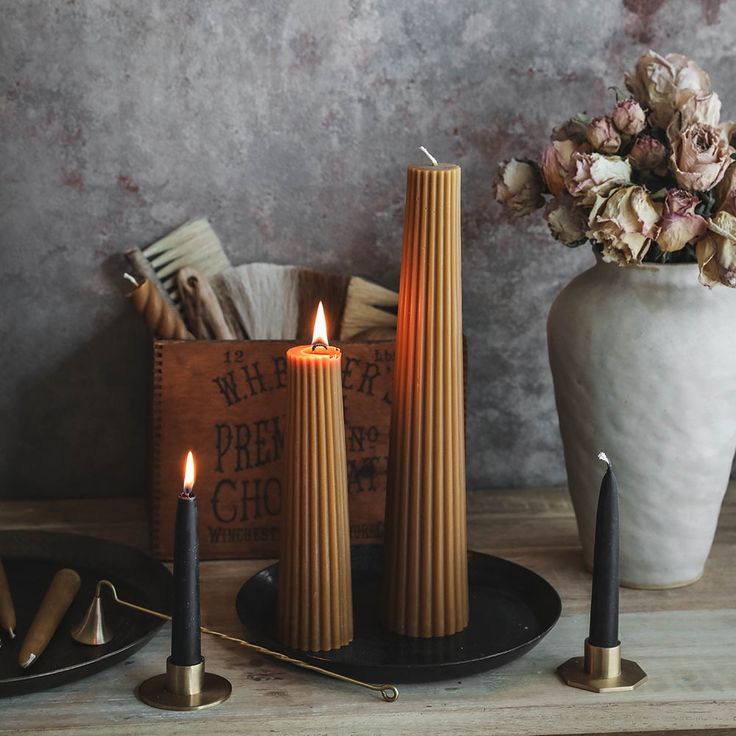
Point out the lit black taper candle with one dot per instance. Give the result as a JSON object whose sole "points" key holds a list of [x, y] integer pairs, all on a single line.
{"points": [[604, 597], [185, 621]]}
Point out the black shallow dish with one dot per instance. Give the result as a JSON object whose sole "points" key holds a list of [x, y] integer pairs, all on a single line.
{"points": [[31, 559], [511, 610]]}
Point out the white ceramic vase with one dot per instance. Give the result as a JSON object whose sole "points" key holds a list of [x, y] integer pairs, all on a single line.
{"points": [[644, 368]]}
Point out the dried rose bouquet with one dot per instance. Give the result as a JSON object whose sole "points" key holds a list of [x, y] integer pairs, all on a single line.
{"points": [[653, 181]]}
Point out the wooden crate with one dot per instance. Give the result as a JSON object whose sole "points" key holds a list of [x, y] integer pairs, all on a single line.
{"points": [[226, 401]]}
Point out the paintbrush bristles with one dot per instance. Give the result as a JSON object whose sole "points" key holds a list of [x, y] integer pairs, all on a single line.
{"points": [[362, 308], [366, 292], [262, 298], [193, 244], [273, 302]]}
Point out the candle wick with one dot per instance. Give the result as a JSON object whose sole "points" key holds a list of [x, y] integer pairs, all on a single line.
{"points": [[320, 344], [131, 279], [429, 155], [604, 457]]}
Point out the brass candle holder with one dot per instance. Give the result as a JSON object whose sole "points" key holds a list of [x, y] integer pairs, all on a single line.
{"points": [[602, 670], [93, 630], [184, 688]]}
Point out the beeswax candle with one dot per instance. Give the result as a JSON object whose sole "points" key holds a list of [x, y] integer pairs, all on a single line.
{"points": [[426, 576], [160, 315], [315, 610]]}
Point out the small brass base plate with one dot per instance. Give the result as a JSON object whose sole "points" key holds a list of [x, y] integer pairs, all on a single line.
{"points": [[573, 673], [153, 692]]}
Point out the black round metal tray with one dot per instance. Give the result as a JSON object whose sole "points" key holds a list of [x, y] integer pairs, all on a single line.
{"points": [[31, 558], [511, 610]]}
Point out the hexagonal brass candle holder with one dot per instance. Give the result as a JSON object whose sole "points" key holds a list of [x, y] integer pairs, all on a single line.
{"points": [[602, 670]]}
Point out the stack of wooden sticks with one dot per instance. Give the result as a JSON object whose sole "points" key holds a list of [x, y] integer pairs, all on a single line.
{"points": [[186, 288]]}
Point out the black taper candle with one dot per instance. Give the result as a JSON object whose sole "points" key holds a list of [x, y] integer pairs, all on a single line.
{"points": [[185, 618], [604, 596]]}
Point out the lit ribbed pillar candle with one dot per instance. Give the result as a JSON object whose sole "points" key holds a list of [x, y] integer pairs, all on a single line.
{"points": [[315, 609], [426, 574]]}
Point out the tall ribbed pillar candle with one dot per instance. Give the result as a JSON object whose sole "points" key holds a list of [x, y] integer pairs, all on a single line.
{"points": [[315, 609], [426, 574]]}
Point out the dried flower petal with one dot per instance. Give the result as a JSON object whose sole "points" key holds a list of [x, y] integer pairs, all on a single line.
{"points": [[649, 154], [624, 224], [716, 251], [593, 174], [680, 225], [700, 156], [664, 84], [629, 117], [518, 187], [705, 109], [603, 136], [567, 223], [556, 161]]}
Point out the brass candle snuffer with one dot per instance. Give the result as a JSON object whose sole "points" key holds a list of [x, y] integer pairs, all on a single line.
{"points": [[94, 631]]}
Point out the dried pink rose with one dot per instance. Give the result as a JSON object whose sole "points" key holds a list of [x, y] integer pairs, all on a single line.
{"points": [[593, 174], [705, 109], [649, 154], [700, 156], [629, 117], [567, 223], [603, 136], [728, 129], [573, 129], [725, 191], [556, 161], [518, 187], [624, 224], [679, 224], [664, 84], [716, 251]]}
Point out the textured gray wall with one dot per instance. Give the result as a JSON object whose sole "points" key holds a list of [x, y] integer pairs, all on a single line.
{"points": [[290, 124]]}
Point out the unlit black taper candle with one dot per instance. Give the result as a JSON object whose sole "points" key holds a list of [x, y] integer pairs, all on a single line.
{"points": [[604, 597], [185, 618]]}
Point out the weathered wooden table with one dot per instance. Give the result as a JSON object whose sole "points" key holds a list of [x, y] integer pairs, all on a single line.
{"points": [[685, 639]]}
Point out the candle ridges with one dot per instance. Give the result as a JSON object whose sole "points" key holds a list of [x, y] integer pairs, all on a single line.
{"points": [[426, 584], [162, 318], [315, 592]]}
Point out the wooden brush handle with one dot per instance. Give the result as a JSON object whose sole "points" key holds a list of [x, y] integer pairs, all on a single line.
{"points": [[7, 609], [163, 320], [201, 307], [59, 596]]}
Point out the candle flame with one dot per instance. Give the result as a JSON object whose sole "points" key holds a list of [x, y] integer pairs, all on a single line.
{"points": [[189, 473], [319, 336]]}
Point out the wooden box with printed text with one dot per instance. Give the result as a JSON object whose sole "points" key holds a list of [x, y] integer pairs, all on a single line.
{"points": [[226, 401]]}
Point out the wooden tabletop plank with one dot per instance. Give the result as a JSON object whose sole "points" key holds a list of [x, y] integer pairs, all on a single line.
{"points": [[685, 639], [692, 682]]}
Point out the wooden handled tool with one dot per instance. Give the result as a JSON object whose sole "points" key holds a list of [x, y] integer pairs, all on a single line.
{"points": [[59, 596], [274, 302], [7, 609], [203, 311], [193, 244]]}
